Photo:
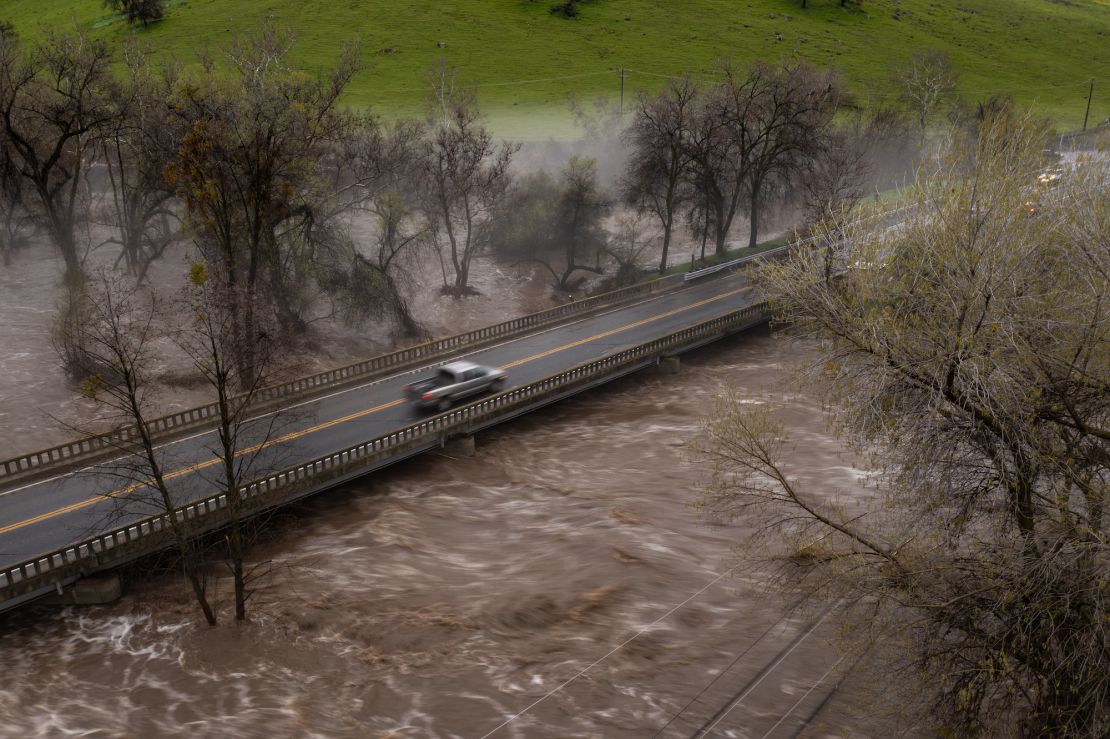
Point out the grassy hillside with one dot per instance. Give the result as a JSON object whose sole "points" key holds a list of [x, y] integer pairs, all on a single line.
{"points": [[527, 60]]}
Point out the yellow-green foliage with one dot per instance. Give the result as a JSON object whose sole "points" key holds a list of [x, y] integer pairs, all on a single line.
{"points": [[198, 273], [527, 60]]}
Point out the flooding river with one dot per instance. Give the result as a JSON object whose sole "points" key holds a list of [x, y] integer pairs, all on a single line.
{"points": [[556, 584]]}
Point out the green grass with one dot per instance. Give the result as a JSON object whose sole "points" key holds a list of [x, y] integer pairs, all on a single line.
{"points": [[526, 60]]}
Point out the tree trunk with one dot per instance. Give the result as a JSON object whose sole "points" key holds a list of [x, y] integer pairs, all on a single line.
{"points": [[235, 551], [704, 234], [192, 572], [461, 276], [720, 234], [74, 275], [754, 214], [667, 227]]}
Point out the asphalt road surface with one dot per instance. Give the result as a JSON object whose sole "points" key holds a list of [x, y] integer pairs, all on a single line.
{"points": [[43, 516]]}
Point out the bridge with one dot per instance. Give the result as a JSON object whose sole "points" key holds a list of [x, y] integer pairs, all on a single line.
{"points": [[61, 516]]}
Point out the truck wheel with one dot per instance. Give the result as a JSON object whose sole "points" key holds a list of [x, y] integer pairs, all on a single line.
{"points": [[443, 405]]}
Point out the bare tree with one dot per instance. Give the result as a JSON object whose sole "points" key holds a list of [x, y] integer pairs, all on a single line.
{"points": [[923, 84], [122, 323], [376, 283], [136, 151], [53, 108], [834, 182], [246, 446], [629, 246], [466, 175], [658, 175], [781, 117], [751, 133], [699, 215], [382, 163], [252, 170], [968, 366], [523, 228], [718, 164], [582, 206], [868, 147]]}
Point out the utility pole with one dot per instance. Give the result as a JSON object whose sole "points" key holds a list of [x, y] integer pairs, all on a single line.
{"points": [[1090, 93], [622, 93]]}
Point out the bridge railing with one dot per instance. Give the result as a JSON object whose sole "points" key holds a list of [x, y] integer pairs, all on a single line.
{"points": [[120, 440], [150, 534], [704, 271]]}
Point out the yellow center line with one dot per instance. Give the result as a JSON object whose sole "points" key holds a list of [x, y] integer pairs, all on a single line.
{"points": [[350, 417]]}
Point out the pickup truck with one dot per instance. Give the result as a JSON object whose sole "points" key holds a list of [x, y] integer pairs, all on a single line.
{"points": [[452, 382]]}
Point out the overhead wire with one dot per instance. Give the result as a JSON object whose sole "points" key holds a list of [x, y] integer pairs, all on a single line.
{"points": [[805, 695], [752, 684], [732, 664], [605, 656]]}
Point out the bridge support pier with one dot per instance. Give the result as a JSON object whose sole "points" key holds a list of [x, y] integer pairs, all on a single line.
{"points": [[88, 591], [669, 365], [460, 446]]}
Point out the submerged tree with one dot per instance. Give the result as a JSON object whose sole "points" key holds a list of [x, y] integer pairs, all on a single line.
{"points": [[54, 107], [465, 175], [630, 245], [252, 170], [136, 151], [965, 354], [380, 178], [117, 340], [244, 445], [581, 207], [658, 177], [554, 223]]}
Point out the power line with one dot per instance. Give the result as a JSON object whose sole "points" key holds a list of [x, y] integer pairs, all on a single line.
{"points": [[752, 684], [804, 696], [828, 697], [611, 652], [732, 664]]}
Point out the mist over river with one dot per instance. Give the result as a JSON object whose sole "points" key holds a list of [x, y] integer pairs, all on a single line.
{"points": [[560, 564]]}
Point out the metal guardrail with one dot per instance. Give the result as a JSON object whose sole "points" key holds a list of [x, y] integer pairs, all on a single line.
{"points": [[695, 274], [114, 441], [742, 260], [52, 569]]}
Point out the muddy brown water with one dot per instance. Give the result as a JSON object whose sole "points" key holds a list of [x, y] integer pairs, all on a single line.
{"points": [[558, 576]]}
